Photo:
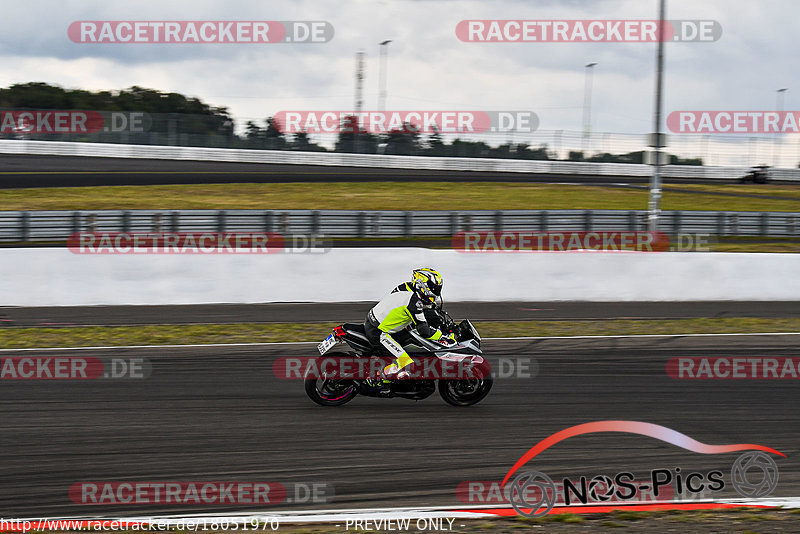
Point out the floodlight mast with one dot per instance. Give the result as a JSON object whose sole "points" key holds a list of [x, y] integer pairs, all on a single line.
{"points": [[587, 106], [383, 60], [359, 100]]}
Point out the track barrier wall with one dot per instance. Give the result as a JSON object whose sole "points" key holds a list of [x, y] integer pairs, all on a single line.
{"points": [[332, 159], [57, 277]]}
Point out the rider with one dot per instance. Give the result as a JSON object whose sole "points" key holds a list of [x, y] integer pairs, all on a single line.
{"points": [[400, 308]]}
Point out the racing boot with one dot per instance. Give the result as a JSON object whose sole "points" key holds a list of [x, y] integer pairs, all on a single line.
{"points": [[385, 378]]}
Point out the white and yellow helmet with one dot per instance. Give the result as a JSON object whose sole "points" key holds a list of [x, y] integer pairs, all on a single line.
{"points": [[427, 284]]}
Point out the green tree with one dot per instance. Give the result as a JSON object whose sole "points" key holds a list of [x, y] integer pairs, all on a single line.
{"points": [[273, 135], [403, 141], [435, 144], [354, 138]]}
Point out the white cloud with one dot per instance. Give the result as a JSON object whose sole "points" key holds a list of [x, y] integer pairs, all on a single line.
{"points": [[429, 68]]}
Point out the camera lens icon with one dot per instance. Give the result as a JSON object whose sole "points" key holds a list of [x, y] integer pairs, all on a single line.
{"points": [[534, 490], [754, 474], [601, 488]]}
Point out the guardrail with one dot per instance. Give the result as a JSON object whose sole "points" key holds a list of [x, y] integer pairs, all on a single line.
{"points": [[33, 226], [337, 159]]}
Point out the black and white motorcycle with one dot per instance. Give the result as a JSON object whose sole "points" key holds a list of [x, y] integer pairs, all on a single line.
{"points": [[461, 372]]}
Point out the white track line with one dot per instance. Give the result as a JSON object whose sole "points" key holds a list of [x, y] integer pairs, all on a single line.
{"points": [[440, 512], [648, 335], [298, 516], [520, 338], [420, 512]]}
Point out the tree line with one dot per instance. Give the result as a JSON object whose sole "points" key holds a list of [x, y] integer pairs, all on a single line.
{"points": [[190, 121]]}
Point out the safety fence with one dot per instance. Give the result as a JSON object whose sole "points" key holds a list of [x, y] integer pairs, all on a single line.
{"points": [[43, 226]]}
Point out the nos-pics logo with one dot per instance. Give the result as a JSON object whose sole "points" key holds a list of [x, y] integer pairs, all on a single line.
{"points": [[754, 473]]}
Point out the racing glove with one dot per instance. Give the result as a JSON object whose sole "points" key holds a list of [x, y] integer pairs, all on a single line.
{"points": [[447, 340]]}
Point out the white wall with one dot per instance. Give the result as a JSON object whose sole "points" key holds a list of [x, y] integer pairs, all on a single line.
{"points": [[112, 150], [57, 277]]}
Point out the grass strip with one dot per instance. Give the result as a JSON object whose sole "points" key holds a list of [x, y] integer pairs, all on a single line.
{"points": [[398, 196], [87, 336]]}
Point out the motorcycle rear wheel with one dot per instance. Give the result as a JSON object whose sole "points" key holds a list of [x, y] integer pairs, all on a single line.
{"points": [[330, 392], [464, 392]]}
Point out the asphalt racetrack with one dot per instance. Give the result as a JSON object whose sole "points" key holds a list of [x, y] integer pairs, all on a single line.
{"points": [[337, 313], [69, 171], [220, 414]]}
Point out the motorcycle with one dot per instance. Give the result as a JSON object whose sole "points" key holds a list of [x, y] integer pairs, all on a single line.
{"points": [[757, 175], [462, 373]]}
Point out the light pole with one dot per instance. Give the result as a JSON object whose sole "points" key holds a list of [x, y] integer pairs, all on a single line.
{"points": [[776, 148], [657, 141], [384, 48], [359, 100], [587, 105]]}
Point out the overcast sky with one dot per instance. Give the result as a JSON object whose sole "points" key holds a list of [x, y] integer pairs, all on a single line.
{"points": [[429, 68]]}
